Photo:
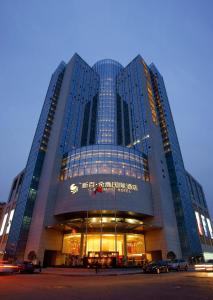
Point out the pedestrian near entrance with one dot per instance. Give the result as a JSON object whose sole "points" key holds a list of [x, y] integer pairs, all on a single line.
{"points": [[39, 266], [96, 267]]}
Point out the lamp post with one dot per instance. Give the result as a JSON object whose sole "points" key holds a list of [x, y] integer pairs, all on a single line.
{"points": [[138, 141]]}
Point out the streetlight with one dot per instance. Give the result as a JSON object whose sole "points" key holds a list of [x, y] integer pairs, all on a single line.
{"points": [[138, 141]]}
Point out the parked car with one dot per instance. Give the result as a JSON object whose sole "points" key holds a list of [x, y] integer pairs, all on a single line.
{"points": [[26, 267], [7, 267], [178, 265], [157, 267], [206, 267]]}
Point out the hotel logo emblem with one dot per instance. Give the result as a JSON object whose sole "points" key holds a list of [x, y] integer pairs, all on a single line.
{"points": [[73, 188]]}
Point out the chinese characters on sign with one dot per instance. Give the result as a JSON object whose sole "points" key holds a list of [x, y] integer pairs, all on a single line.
{"points": [[110, 186]]}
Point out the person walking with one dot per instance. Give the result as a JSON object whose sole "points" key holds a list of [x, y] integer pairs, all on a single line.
{"points": [[39, 266], [96, 267]]}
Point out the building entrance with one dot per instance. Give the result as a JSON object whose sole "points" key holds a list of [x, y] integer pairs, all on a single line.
{"points": [[107, 249]]}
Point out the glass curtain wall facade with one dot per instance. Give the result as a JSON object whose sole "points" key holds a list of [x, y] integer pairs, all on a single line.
{"points": [[186, 221], [106, 121], [18, 235], [101, 159], [202, 216]]}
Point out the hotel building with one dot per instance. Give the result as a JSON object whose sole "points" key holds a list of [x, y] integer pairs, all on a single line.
{"points": [[105, 178]]}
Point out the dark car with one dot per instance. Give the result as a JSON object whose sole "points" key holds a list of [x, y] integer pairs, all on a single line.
{"points": [[26, 267], [157, 267], [178, 265]]}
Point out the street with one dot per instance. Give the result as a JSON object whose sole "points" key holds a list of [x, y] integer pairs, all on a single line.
{"points": [[174, 285]]}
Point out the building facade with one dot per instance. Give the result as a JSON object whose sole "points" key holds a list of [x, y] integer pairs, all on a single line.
{"points": [[203, 219], [7, 212], [105, 178], [2, 204]]}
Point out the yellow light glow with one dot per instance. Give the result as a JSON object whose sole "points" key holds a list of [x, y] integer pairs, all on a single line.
{"points": [[94, 220], [133, 221]]}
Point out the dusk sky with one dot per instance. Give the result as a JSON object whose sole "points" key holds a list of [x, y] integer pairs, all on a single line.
{"points": [[176, 35]]}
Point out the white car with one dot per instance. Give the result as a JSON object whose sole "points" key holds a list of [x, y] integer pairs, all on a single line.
{"points": [[206, 267], [178, 265]]}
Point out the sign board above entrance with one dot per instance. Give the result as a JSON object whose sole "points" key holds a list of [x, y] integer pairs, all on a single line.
{"points": [[107, 186]]}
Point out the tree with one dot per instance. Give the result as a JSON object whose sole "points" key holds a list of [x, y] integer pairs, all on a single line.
{"points": [[32, 255], [171, 255]]}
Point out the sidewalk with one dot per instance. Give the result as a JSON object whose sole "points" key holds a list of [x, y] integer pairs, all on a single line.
{"points": [[91, 272]]}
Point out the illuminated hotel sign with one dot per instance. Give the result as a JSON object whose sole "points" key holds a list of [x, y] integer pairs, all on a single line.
{"points": [[106, 186], [3, 224], [10, 221], [210, 227], [205, 222], [199, 223], [7, 222], [204, 225]]}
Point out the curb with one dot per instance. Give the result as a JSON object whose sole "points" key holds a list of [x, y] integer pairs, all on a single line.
{"points": [[91, 274]]}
